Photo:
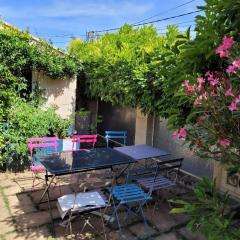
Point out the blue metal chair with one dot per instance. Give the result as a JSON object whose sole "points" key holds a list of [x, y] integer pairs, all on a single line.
{"points": [[116, 135], [132, 198]]}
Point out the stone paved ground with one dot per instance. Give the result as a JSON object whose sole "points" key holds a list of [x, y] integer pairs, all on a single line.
{"points": [[20, 219]]}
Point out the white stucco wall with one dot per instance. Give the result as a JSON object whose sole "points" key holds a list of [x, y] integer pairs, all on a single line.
{"points": [[143, 128], [58, 92]]}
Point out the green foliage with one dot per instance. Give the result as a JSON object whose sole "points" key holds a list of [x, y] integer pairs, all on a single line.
{"points": [[220, 18], [20, 54], [208, 210], [213, 125], [137, 67], [10, 86], [198, 55], [26, 121], [132, 66]]}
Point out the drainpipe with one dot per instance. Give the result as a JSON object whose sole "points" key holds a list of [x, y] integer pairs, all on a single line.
{"points": [[153, 128]]}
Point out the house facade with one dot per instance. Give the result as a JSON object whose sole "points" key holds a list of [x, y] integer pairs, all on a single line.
{"points": [[60, 92]]}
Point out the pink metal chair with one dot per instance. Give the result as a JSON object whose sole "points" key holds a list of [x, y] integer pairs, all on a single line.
{"points": [[42, 143], [90, 138], [48, 144]]}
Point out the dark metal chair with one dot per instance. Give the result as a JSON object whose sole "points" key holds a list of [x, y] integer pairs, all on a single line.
{"points": [[162, 176]]}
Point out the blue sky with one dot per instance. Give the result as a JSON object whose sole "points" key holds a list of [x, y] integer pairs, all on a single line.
{"points": [[58, 20]]}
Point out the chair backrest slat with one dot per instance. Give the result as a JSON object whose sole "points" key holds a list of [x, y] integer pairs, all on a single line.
{"points": [[43, 142], [89, 138], [116, 135], [167, 165]]}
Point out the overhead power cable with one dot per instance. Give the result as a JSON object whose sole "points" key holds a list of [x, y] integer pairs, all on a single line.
{"points": [[178, 25], [71, 35], [158, 20], [163, 12]]}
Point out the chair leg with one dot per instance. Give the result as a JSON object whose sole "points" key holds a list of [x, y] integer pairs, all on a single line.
{"points": [[33, 183], [154, 207], [69, 224], [88, 223], [84, 225], [104, 232], [160, 201], [143, 216], [118, 221]]}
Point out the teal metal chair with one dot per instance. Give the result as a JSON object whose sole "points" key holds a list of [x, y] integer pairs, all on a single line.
{"points": [[132, 198], [116, 135]]}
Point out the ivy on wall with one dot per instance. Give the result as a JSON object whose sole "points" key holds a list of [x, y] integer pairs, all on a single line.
{"points": [[137, 67], [20, 54], [133, 67]]}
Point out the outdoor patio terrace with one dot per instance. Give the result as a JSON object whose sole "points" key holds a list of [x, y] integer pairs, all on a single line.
{"points": [[21, 219]]}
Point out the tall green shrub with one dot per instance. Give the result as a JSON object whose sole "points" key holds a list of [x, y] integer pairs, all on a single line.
{"points": [[25, 121], [20, 54]]}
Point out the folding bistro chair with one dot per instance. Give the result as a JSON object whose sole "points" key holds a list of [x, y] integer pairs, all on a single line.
{"points": [[43, 145], [116, 135], [153, 181], [78, 139], [130, 196], [82, 204]]}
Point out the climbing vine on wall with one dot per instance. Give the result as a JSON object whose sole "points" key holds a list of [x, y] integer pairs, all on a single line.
{"points": [[132, 66], [20, 54]]}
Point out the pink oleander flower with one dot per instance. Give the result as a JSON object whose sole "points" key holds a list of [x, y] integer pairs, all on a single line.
{"points": [[185, 83], [197, 102], [226, 44], [224, 142], [203, 96], [229, 92], [233, 106], [201, 80], [199, 99], [175, 134], [237, 99], [231, 69], [200, 88], [236, 63], [188, 88], [212, 80], [183, 133], [213, 93], [222, 52], [208, 74]]}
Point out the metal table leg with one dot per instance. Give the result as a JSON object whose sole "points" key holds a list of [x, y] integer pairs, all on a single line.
{"points": [[50, 210], [47, 186], [46, 191]]}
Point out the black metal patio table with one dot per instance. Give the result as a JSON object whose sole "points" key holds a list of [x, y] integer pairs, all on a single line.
{"points": [[70, 162]]}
